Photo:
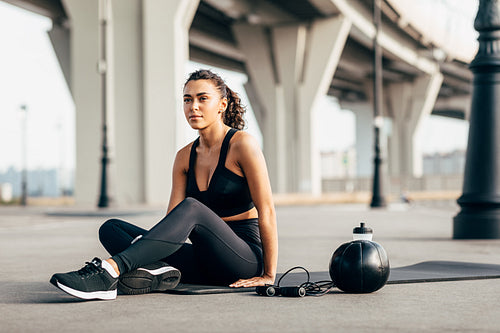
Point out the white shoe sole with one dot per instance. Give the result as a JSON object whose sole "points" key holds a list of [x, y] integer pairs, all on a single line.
{"points": [[104, 295], [158, 271]]}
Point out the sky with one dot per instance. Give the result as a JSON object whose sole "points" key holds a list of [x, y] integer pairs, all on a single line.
{"points": [[30, 76]]}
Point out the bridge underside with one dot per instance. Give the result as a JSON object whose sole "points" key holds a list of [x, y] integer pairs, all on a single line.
{"points": [[212, 42], [329, 50]]}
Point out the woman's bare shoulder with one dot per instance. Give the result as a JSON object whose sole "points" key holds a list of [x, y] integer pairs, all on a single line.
{"points": [[182, 156], [186, 149], [244, 140]]}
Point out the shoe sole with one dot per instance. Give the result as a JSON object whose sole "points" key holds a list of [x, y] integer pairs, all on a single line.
{"points": [[142, 281], [103, 295]]}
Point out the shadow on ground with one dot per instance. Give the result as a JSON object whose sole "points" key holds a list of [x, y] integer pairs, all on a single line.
{"points": [[33, 293]]}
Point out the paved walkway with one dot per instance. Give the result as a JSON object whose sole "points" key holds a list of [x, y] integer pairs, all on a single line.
{"points": [[33, 245]]}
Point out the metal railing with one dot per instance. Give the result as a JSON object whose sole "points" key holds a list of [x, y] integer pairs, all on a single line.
{"points": [[397, 185]]}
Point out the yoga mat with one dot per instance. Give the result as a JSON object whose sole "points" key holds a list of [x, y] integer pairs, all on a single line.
{"points": [[427, 271]]}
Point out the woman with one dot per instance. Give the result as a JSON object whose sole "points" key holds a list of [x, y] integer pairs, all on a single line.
{"points": [[221, 200]]}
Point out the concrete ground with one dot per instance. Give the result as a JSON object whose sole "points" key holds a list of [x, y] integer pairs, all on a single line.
{"points": [[34, 245]]}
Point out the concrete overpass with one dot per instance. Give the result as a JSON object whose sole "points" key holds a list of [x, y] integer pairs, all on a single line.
{"points": [[293, 53]]}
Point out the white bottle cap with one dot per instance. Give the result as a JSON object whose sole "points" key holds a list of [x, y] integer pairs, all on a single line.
{"points": [[362, 232]]}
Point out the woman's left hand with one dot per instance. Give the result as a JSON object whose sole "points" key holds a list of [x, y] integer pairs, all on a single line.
{"points": [[253, 282]]}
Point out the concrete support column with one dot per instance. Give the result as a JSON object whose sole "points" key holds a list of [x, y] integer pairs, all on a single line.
{"points": [[266, 93], [146, 64], [408, 104], [289, 43], [128, 149], [326, 40], [165, 53], [85, 87], [287, 81], [364, 137]]}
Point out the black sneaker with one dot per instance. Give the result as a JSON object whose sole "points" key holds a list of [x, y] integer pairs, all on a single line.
{"points": [[158, 276], [91, 282]]}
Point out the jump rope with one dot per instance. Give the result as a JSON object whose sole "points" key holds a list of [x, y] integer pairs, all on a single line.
{"points": [[307, 288]]}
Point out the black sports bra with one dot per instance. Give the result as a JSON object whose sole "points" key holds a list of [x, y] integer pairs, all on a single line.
{"points": [[227, 193]]}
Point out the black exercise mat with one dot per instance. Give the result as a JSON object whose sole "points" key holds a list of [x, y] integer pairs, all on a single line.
{"points": [[427, 271]]}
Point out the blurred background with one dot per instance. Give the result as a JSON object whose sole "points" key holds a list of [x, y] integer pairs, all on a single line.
{"points": [[37, 111]]}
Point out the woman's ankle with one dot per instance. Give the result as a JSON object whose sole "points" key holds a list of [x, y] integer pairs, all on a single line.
{"points": [[114, 265]]}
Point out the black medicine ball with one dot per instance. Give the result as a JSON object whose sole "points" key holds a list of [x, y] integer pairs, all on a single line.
{"points": [[360, 266]]}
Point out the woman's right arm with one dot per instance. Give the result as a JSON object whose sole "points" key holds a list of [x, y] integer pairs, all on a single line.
{"points": [[179, 177]]}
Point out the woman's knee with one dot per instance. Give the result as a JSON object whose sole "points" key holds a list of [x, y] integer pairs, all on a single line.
{"points": [[194, 206], [189, 205], [189, 202], [107, 229]]}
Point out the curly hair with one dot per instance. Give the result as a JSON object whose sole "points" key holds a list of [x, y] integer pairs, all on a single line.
{"points": [[233, 115]]}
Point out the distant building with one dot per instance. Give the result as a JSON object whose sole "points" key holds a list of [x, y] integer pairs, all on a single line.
{"points": [[41, 182], [444, 163], [441, 172], [338, 164]]}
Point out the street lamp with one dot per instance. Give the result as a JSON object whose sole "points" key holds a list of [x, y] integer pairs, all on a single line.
{"points": [[479, 217], [24, 173], [378, 199], [103, 71]]}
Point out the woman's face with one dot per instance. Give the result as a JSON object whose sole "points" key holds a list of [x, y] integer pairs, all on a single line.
{"points": [[203, 105]]}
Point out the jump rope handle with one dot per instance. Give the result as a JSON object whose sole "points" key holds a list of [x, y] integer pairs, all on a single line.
{"points": [[266, 290], [271, 291]]}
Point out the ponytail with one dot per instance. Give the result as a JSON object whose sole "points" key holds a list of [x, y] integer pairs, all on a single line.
{"points": [[233, 116]]}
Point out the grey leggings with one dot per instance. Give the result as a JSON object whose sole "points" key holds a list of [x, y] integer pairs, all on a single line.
{"points": [[217, 255]]}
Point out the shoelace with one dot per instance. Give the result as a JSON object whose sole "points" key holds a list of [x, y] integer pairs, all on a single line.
{"points": [[91, 268]]}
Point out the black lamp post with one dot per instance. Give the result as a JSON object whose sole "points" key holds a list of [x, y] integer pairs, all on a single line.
{"points": [[479, 217], [24, 172], [102, 69], [378, 199]]}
